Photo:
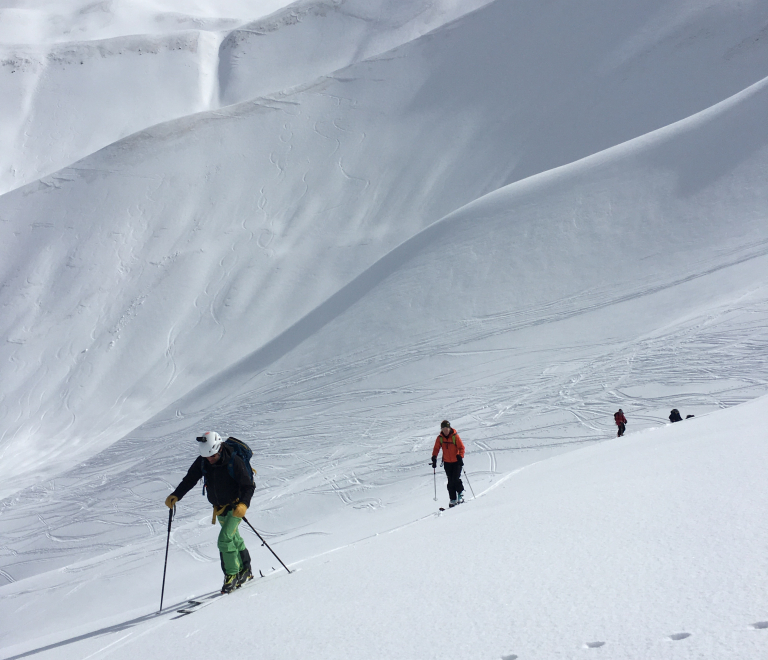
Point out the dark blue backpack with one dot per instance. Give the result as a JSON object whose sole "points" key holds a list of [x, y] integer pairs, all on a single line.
{"points": [[238, 448]]}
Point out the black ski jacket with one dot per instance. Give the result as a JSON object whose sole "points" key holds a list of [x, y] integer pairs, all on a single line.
{"points": [[220, 486]]}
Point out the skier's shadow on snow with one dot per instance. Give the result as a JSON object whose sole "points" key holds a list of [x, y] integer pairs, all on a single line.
{"points": [[118, 627]]}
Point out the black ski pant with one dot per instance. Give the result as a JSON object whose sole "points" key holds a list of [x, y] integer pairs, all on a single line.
{"points": [[453, 472], [621, 430], [245, 560]]}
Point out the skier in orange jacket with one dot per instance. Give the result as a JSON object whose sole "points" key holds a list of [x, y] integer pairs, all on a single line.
{"points": [[453, 460]]}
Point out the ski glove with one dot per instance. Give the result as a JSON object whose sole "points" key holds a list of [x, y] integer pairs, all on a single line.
{"points": [[460, 461], [170, 501], [239, 510], [434, 462]]}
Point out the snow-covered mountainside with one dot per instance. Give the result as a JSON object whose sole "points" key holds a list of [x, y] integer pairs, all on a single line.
{"points": [[363, 218], [143, 270], [642, 548], [80, 76], [76, 75]]}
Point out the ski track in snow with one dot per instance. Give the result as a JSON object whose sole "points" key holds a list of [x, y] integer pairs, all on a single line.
{"points": [[349, 182], [111, 501], [358, 445]]}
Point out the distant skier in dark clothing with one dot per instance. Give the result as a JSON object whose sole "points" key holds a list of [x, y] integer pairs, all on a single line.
{"points": [[453, 460], [621, 422], [674, 416], [229, 486]]}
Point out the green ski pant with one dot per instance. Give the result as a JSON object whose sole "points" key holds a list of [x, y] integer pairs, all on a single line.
{"points": [[230, 543]]}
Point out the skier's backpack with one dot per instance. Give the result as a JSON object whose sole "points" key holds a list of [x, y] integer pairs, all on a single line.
{"points": [[237, 448], [452, 439], [243, 451]]}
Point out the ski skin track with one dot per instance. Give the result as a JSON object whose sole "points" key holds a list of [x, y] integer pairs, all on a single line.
{"points": [[440, 511], [195, 604]]}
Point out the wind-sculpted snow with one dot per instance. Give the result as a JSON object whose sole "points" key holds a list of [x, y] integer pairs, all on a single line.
{"points": [[341, 407], [113, 69], [40, 22], [76, 76], [65, 101], [521, 221], [137, 274], [312, 38]]}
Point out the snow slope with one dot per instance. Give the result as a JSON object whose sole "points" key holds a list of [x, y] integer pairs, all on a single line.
{"points": [[77, 77], [341, 407], [329, 270], [644, 547], [138, 273], [312, 38], [62, 21]]}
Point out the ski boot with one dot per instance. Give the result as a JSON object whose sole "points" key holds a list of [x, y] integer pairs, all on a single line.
{"points": [[245, 573], [452, 504], [460, 499], [230, 583]]}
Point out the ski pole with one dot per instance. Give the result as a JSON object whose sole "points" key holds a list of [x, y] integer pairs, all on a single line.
{"points": [[469, 484], [263, 542], [434, 474], [171, 514]]}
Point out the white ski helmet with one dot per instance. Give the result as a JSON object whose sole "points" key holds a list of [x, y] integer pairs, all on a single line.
{"points": [[210, 443]]}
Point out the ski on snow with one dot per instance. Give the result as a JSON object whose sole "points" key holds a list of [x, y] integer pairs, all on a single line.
{"points": [[195, 604], [442, 508]]}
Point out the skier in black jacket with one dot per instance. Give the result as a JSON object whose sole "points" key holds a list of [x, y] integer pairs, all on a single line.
{"points": [[229, 485]]}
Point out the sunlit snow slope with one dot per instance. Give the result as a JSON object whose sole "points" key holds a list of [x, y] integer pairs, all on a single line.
{"points": [[138, 273], [522, 220], [642, 548], [76, 76], [517, 316]]}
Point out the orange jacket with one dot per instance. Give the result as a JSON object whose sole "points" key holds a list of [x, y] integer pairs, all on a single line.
{"points": [[452, 447]]}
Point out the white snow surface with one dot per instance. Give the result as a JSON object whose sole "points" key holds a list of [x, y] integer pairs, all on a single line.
{"points": [[76, 76], [357, 219], [645, 547]]}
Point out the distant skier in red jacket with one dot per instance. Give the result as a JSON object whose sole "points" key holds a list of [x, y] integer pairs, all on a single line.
{"points": [[453, 460], [621, 421]]}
